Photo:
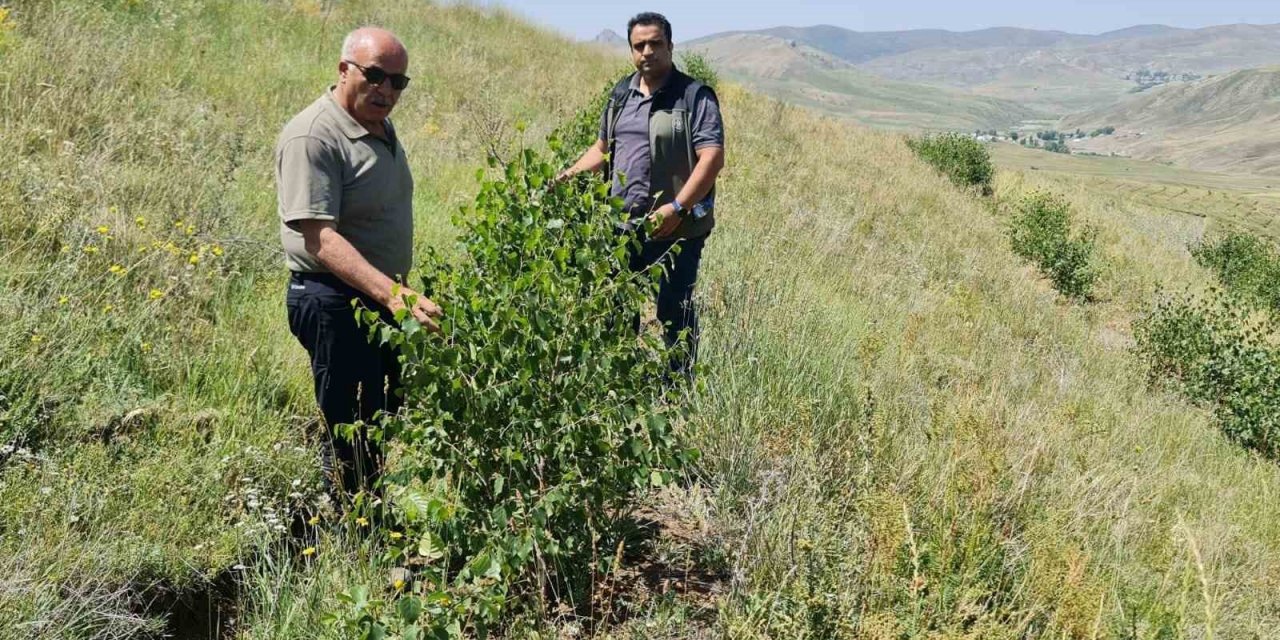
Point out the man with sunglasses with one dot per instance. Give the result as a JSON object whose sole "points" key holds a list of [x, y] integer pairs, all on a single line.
{"points": [[345, 198]]}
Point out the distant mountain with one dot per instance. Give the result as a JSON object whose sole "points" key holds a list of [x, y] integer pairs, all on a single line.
{"points": [[1226, 123], [803, 75], [861, 46], [609, 39], [1048, 70], [1139, 31]]}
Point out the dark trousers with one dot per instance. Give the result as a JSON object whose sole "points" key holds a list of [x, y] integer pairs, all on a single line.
{"points": [[354, 379], [676, 311]]}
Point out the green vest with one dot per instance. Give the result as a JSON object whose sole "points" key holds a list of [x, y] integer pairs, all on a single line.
{"points": [[670, 146]]}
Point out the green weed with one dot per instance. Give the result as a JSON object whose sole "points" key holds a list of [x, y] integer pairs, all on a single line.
{"points": [[960, 157], [1218, 354], [699, 68], [1244, 263], [1040, 231]]}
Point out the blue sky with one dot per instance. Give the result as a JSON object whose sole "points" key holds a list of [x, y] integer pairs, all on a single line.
{"points": [[584, 19]]}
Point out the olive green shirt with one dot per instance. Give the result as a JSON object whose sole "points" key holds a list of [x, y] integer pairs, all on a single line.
{"points": [[329, 167]]}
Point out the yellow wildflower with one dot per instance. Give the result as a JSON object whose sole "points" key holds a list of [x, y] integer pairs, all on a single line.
{"points": [[396, 535], [37, 338], [108, 308], [398, 584], [315, 520], [146, 347], [217, 250], [90, 249], [194, 259], [103, 230], [62, 300], [141, 222], [155, 294], [116, 269], [362, 521], [309, 551], [191, 229]]}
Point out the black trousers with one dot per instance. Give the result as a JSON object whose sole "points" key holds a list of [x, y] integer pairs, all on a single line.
{"points": [[354, 379], [675, 309]]}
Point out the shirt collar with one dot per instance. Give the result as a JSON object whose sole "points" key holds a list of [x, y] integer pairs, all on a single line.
{"points": [[348, 124], [635, 82]]}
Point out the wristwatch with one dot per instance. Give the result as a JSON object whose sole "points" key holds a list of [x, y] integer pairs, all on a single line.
{"points": [[680, 210]]}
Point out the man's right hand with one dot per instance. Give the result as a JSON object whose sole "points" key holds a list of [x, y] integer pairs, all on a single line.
{"points": [[423, 309]]}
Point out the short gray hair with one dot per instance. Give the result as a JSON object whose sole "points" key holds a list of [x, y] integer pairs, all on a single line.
{"points": [[368, 35], [352, 41]]}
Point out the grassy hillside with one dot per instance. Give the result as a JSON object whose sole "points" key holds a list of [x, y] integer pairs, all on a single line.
{"points": [[161, 436], [800, 74], [1224, 123], [905, 432]]}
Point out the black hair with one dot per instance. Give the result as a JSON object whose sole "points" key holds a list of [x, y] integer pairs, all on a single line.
{"points": [[649, 19]]}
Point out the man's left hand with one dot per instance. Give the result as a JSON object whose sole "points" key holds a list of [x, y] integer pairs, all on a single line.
{"points": [[663, 221]]}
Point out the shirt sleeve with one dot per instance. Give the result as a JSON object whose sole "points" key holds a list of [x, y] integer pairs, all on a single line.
{"points": [[708, 127], [308, 180], [604, 123]]}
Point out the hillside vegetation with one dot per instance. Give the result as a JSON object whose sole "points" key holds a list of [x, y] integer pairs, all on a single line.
{"points": [[905, 432], [1224, 123]]}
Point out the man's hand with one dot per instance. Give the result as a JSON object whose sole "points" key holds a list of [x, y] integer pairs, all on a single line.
{"points": [[592, 160], [664, 221], [423, 309]]}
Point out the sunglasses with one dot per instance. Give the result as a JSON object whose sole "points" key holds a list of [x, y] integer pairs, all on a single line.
{"points": [[377, 76]]}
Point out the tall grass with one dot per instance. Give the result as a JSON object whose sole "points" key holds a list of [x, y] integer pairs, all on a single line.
{"points": [[903, 435], [162, 409]]}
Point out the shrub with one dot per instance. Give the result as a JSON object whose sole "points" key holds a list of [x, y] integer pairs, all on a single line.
{"points": [[531, 421], [1040, 231], [1244, 263], [1217, 355], [964, 160], [1057, 146], [699, 68]]}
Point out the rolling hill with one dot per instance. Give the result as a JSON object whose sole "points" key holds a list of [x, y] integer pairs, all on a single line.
{"points": [[1225, 123], [813, 78], [1046, 70]]}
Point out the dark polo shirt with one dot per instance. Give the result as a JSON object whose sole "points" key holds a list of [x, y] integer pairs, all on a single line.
{"points": [[631, 156], [328, 167]]}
